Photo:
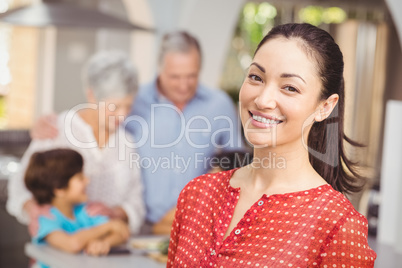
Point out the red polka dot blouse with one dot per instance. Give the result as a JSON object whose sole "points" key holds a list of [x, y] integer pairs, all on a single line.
{"points": [[314, 228]]}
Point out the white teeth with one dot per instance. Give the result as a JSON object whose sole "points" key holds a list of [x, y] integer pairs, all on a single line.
{"points": [[265, 120]]}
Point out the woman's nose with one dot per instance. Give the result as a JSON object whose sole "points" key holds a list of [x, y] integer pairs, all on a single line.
{"points": [[267, 99]]}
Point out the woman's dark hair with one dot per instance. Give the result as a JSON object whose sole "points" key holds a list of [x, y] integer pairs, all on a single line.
{"points": [[51, 170], [326, 138]]}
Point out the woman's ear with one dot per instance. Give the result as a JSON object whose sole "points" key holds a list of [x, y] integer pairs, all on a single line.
{"points": [[326, 107]]}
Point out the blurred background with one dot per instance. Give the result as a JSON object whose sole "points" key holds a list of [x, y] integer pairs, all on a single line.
{"points": [[42, 52]]}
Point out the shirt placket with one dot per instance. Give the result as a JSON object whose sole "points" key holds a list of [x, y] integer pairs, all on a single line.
{"points": [[220, 228], [242, 229]]}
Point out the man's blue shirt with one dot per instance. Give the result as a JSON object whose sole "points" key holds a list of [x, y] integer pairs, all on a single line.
{"points": [[176, 146]]}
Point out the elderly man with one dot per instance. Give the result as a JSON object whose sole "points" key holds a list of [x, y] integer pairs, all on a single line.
{"points": [[187, 124]]}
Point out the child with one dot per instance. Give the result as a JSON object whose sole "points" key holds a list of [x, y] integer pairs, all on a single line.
{"points": [[55, 178]]}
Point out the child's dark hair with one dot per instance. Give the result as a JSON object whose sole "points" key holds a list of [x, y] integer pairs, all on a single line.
{"points": [[50, 170]]}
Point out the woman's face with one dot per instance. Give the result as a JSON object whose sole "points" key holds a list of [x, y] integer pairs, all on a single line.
{"points": [[280, 95], [116, 110]]}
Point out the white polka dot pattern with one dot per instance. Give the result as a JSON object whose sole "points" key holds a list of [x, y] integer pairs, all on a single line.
{"points": [[314, 228]]}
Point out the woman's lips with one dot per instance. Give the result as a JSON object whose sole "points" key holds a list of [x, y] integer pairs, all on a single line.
{"points": [[263, 121]]}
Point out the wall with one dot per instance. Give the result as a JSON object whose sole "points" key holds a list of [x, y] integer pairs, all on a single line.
{"points": [[212, 22], [390, 216], [72, 50], [395, 7], [393, 89]]}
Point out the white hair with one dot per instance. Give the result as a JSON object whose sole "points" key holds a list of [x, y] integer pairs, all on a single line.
{"points": [[179, 41], [110, 74]]}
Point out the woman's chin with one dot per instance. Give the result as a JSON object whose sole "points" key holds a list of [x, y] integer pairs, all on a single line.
{"points": [[261, 143]]}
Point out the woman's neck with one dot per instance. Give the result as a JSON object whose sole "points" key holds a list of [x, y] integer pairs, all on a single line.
{"points": [[280, 170], [91, 117]]}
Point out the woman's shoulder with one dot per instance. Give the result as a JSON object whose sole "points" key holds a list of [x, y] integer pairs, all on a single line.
{"points": [[204, 191], [338, 203], [69, 119], [209, 182]]}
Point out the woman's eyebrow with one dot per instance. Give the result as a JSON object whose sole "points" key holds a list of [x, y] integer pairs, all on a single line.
{"points": [[292, 75], [284, 75], [258, 66]]}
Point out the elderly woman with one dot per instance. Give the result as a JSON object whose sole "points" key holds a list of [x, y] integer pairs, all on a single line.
{"points": [[93, 129]]}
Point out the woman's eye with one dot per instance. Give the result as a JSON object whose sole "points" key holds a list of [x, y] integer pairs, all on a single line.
{"points": [[255, 77], [290, 89]]}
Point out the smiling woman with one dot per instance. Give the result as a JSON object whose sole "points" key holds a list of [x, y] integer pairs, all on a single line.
{"points": [[291, 106], [284, 90]]}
